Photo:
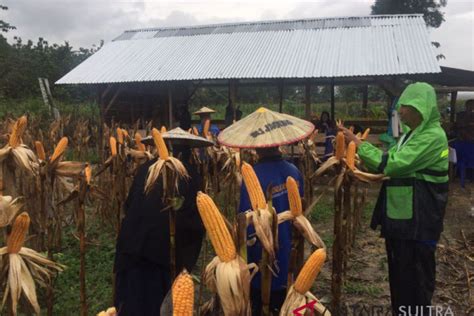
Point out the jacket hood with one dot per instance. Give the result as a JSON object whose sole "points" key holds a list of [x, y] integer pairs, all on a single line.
{"points": [[422, 97]]}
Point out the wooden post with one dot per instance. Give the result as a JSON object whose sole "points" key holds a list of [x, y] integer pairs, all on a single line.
{"points": [[365, 98], [454, 95], [170, 109], [307, 103], [280, 95], [333, 101]]}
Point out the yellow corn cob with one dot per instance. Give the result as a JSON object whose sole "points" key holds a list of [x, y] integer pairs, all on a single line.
{"points": [[195, 131], [294, 198], [366, 134], [19, 230], [113, 146], [88, 173], [340, 145], [359, 135], [40, 150], [163, 129], [119, 135], [138, 142], [350, 155], [124, 133], [310, 271], [257, 198], [17, 131], [160, 145], [190, 130], [216, 228], [60, 149], [183, 295], [205, 128]]}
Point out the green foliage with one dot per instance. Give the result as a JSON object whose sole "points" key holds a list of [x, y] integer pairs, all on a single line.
{"points": [[4, 26], [429, 8]]}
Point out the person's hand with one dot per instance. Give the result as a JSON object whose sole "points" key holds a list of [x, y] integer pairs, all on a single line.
{"points": [[348, 135]]}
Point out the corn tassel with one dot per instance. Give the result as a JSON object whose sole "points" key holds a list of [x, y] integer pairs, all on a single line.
{"points": [[113, 146], [294, 197], [254, 189], [310, 271], [19, 230], [182, 293], [216, 228], [340, 145], [60, 149], [350, 155], [17, 132], [40, 150], [160, 144]]}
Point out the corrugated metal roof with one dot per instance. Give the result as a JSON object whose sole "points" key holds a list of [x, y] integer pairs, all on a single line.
{"points": [[316, 48]]}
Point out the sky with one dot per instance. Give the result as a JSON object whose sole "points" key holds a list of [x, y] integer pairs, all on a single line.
{"points": [[83, 23]]}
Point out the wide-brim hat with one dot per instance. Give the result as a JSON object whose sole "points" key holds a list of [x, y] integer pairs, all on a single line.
{"points": [[178, 136], [204, 110], [265, 128]]}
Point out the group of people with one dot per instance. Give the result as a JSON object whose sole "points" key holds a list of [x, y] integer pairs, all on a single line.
{"points": [[410, 210]]}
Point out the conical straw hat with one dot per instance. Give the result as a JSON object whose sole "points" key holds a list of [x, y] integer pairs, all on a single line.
{"points": [[204, 110], [265, 128], [178, 136]]}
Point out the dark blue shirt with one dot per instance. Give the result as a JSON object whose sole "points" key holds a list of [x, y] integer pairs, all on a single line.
{"points": [[273, 171]]}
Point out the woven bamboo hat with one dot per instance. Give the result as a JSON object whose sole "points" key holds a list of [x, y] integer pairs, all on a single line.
{"points": [[178, 136], [265, 128], [204, 110]]}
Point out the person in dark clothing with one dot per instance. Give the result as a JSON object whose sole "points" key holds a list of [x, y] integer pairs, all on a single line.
{"points": [[326, 126], [272, 169], [412, 202], [142, 260]]}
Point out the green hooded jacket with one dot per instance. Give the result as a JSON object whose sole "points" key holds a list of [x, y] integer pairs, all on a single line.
{"points": [[411, 204]]}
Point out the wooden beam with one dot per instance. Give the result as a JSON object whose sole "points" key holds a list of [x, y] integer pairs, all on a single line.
{"points": [[170, 108], [333, 101], [281, 86], [454, 96], [307, 103]]}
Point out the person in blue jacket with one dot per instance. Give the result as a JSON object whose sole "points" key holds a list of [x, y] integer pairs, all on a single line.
{"points": [[273, 170], [205, 114]]}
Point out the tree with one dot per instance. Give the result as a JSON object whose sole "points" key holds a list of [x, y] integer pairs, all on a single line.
{"points": [[431, 10], [4, 26]]}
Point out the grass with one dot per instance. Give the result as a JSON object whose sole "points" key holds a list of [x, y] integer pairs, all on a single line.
{"points": [[360, 288]]}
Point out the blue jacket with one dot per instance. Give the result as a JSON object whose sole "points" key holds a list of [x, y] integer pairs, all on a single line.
{"points": [[213, 129], [273, 171]]}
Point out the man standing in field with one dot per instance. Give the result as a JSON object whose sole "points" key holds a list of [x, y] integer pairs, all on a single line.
{"points": [[411, 204]]}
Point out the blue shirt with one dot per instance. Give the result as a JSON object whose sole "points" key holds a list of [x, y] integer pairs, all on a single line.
{"points": [[273, 171], [213, 129]]}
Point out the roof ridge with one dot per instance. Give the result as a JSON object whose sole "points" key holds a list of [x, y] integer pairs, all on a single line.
{"points": [[201, 26]]}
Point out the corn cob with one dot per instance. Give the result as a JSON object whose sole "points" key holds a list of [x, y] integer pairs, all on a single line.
{"points": [[351, 128], [19, 230], [359, 135], [350, 155], [163, 129], [40, 150], [125, 133], [254, 189], [17, 132], [113, 146], [183, 295], [88, 173], [310, 271], [138, 142], [340, 146], [216, 228], [160, 144], [366, 134], [294, 198], [195, 131], [119, 135], [60, 149], [205, 128]]}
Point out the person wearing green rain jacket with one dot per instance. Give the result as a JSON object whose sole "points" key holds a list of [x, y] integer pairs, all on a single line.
{"points": [[412, 202]]}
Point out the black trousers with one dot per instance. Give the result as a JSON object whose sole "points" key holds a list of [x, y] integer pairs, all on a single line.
{"points": [[412, 271], [277, 298]]}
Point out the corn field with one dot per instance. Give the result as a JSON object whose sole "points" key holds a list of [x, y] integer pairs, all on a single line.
{"points": [[46, 186]]}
